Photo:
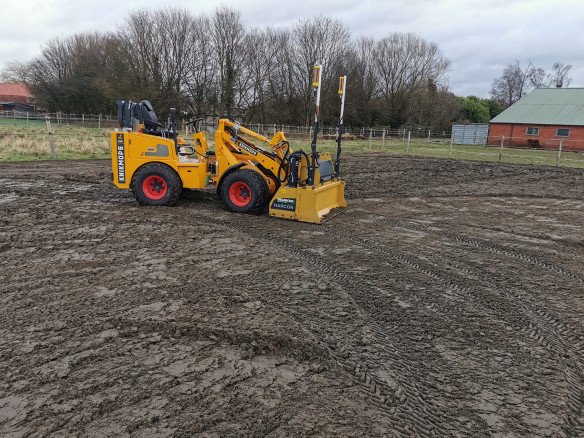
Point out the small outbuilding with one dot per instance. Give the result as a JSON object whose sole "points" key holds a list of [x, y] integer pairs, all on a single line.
{"points": [[16, 97], [541, 119]]}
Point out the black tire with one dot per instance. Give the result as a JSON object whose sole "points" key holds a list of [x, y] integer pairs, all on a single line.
{"points": [[165, 189], [254, 186], [185, 193]]}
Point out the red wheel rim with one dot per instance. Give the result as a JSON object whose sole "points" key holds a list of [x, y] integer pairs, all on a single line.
{"points": [[155, 187], [240, 194]]}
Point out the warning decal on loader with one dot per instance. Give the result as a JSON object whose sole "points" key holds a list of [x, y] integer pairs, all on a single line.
{"points": [[121, 159], [288, 204], [245, 147], [161, 151]]}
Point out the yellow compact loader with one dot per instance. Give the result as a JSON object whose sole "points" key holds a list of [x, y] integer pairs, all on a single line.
{"points": [[249, 171]]}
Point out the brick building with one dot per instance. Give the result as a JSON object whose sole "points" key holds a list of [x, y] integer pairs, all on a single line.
{"points": [[16, 97], [542, 119]]}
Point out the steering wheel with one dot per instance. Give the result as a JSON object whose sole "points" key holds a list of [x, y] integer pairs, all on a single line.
{"points": [[195, 123], [188, 150]]}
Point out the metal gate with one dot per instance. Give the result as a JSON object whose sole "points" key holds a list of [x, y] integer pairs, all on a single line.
{"points": [[475, 134]]}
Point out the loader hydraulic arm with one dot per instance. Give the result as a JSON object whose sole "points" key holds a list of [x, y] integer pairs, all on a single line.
{"points": [[273, 158], [274, 143]]}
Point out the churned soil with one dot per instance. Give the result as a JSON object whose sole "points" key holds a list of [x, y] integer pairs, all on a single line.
{"points": [[446, 300]]}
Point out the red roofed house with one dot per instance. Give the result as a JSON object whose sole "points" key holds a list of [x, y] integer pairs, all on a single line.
{"points": [[16, 97]]}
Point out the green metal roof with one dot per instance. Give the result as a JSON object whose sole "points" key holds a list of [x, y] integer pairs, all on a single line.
{"points": [[547, 106]]}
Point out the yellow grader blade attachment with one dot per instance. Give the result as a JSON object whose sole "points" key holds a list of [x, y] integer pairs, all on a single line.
{"points": [[308, 203]]}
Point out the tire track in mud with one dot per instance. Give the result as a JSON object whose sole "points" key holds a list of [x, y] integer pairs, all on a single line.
{"points": [[416, 418], [561, 338], [406, 403], [479, 244], [562, 327], [320, 336], [376, 389], [538, 333]]}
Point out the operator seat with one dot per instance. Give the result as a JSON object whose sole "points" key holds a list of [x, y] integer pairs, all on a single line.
{"points": [[148, 116]]}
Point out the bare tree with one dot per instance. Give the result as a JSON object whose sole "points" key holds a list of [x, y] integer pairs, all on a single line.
{"points": [[512, 85], [404, 63], [320, 39], [214, 65], [536, 76], [262, 50], [15, 71], [175, 27], [228, 33], [159, 47], [559, 76], [77, 73], [200, 85], [283, 104], [517, 81], [365, 66]]}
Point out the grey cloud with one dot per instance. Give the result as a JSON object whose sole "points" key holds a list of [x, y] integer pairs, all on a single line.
{"points": [[479, 37]]}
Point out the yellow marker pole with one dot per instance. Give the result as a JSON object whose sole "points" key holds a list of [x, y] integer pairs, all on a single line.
{"points": [[316, 82], [341, 130]]}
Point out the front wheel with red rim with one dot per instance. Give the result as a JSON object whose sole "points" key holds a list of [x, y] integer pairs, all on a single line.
{"points": [[156, 184], [240, 194], [245, 191]]}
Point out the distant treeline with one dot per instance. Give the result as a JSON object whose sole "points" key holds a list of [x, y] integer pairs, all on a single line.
{"points": [[215, 65]]}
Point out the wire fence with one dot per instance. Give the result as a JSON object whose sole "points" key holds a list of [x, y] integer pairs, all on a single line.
{"points": [[351, 133], [552, 152], [19, 118], [83, 136], [99, 121]]}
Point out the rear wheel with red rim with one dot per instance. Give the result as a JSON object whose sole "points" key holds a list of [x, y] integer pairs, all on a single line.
{"points": [[155, 187], [156, 184]]}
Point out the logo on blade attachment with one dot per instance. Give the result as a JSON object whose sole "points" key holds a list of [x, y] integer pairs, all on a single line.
{"points": [[288, 204]]}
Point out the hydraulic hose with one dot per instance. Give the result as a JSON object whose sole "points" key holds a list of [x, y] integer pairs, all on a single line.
{"points": [[282, 160]]}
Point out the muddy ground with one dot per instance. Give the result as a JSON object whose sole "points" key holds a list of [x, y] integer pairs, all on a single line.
{"points": [[445, 301]]}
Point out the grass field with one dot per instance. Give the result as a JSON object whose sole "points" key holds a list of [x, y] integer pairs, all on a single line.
{"points": [[464, 152], [21, 123], [19, 143]]}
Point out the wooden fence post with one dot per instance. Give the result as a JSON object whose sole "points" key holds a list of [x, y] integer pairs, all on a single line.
{"points": [[451, 141], [370, 138], [99, 123], [383, 140], [408, 146], [51, 141], [559, 152], [501, 148], [429, 133]]}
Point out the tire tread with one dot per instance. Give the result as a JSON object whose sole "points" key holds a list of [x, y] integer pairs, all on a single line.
{"points": [[172, 179], [257, 184]]}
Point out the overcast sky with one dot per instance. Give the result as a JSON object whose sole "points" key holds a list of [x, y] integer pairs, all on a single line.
{"points": [[479, 37]]}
